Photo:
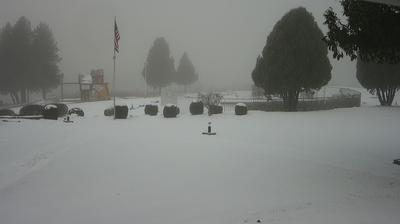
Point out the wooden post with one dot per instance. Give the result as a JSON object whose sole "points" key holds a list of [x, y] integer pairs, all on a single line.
{"points": [[62, 85]]}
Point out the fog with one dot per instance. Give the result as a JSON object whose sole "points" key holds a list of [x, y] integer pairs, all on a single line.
{"points": [[222, 37]]}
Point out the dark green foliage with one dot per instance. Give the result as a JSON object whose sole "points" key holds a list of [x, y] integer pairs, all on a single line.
{"points": [[215, 109], [31, 110], [28, 60], [7, 112], [382, 79], [61, 108], [196, 108], [294, 58], [109, 112], [368, 30], [151, 110], [50, 112], [185, 73], [21, 56], [240, 109], [159, 69], [77, 111], [8, 81], [121, 112], [170, 111], [45, 68]]}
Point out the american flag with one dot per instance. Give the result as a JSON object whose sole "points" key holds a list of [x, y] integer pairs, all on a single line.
{"points": [[116, 36]]}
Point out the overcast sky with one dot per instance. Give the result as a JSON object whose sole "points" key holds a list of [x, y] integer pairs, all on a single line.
{"points": [[222, 37]]}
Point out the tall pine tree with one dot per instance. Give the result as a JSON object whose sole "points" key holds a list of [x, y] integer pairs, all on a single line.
{"points": [[159, 69], [21, 56], [28, 60], [294, 59], [46, 59], [8, 81], [186, 73]]}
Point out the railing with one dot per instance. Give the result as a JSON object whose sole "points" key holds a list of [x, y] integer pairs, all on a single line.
{"points": [[304, 104]]}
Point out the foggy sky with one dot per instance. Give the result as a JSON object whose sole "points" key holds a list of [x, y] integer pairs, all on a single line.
{"points": [[222, 37]]}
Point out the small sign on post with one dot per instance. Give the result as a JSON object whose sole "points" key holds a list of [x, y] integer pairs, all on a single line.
{"points": [[209, 132]]}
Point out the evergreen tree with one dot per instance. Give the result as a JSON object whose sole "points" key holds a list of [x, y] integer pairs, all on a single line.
{"points": [[294, 58], [186, 73], [28, 60], [8, 82], [368, 30], [382, 79], [46, 59], [21, 56], [159, 69]]}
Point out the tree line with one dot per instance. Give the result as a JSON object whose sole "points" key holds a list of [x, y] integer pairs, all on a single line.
{"points": [[159, 69], [28, 60], [295, 57]]}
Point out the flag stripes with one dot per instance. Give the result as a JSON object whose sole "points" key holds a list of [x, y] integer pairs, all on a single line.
{"points": [[116, 37]]}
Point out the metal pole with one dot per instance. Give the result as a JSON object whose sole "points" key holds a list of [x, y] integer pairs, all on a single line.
{"points": [[145, 76], [62, 86], [114, 82]]}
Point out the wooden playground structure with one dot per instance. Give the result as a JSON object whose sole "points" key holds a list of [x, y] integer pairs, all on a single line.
{"points": [[91, 87]]}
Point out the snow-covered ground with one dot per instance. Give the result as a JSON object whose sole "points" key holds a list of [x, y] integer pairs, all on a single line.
{"points": [[305, 167]]}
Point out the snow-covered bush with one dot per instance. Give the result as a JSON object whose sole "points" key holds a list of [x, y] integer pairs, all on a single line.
{"points": [[31, 110], [240, 109], [121, 112], [196, 108], [170, 110], [151, 110], [109, 112], [215, 109], [62, 108], [210, 99], [7, 112], [50, 112], [77, 111]]}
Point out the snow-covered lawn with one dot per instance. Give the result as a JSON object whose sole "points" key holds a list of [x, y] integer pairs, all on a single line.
{"points": [[306, 167]]}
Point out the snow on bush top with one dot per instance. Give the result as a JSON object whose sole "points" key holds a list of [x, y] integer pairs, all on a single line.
{"points": [[49, 106], [241, 105]]}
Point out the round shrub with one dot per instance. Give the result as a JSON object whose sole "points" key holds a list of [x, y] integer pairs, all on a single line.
{"points": [[31, 110], [215, 109], [121, 112], [62, 109], [109, 112], [77, 111], [7, 112], [50, 112], [196, 108], [151, 110], [170, 111], [240, 109]]}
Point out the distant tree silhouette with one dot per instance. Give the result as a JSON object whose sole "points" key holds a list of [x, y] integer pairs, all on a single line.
{"points": [[381, 79], [8, 81], [186, 73], [22, 57], [28, 60], [46, 59], [159, 68], [368, 30], [294, 58]]}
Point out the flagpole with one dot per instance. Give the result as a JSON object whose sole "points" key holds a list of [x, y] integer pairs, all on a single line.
{"points": [[114, 57]]}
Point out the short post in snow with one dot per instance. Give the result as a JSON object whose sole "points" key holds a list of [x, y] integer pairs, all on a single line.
{"points": [[209, 130]]}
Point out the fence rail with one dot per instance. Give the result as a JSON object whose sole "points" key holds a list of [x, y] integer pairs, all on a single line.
{"points": [[318, 103]]}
